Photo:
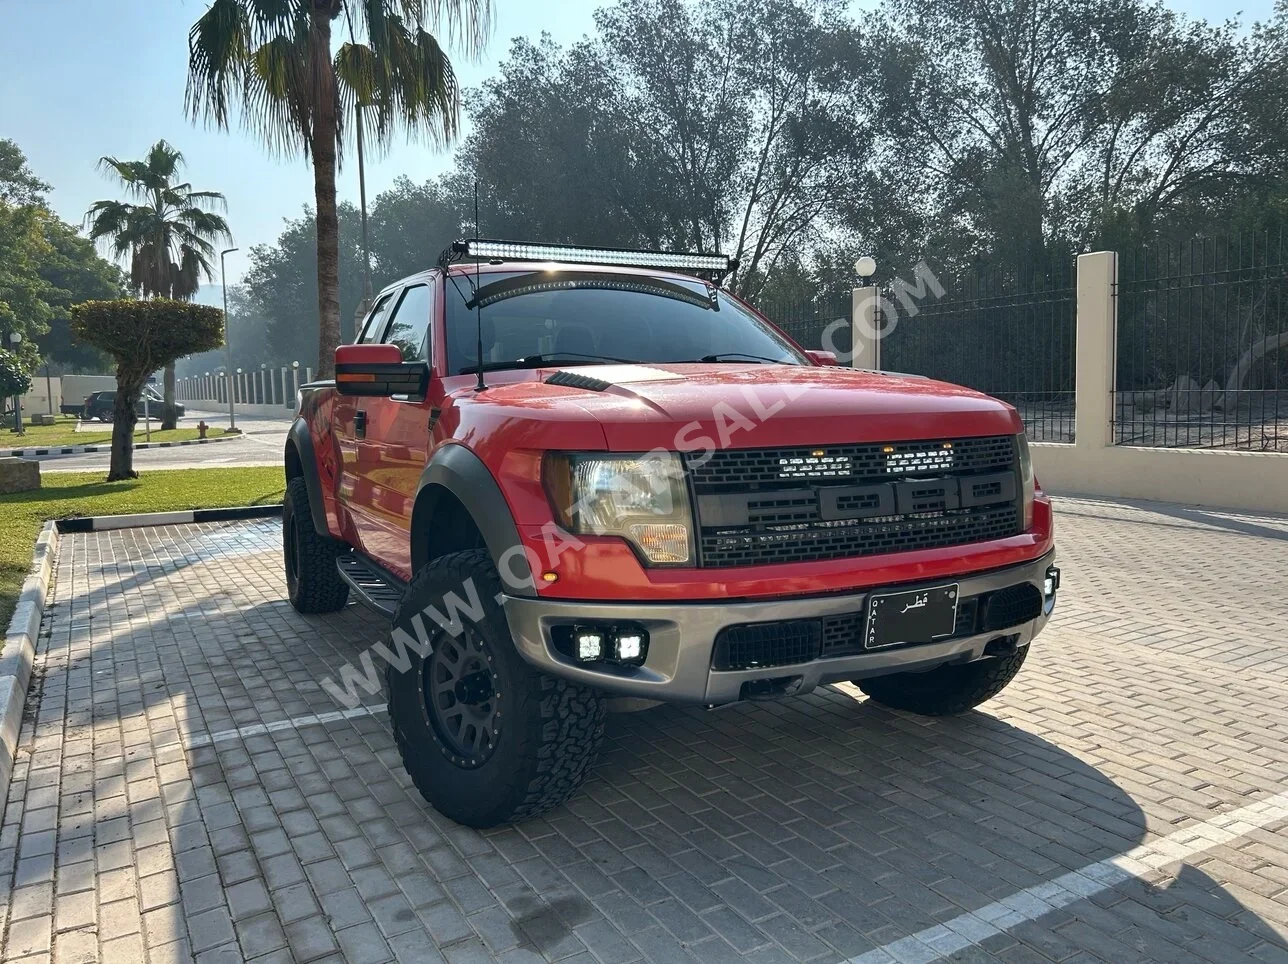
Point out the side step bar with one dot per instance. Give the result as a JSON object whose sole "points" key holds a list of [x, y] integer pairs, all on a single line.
{"points": [[376, 588]]}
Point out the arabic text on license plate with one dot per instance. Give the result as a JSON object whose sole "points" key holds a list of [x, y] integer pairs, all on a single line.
{"points": [[898, 618]]}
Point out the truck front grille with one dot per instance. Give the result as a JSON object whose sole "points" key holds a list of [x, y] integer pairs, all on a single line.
{"points": [[757, 506]]}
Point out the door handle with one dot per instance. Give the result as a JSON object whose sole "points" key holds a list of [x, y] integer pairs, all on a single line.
{"points": [[360, 424]]}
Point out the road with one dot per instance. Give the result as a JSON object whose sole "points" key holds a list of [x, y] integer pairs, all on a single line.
{"points": [[261, 444], [185, 786]]}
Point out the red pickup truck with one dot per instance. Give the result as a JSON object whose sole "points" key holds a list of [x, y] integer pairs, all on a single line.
{"points": [[574, 474]]}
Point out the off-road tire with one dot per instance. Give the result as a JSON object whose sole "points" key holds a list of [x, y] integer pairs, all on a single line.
{"points": [[549, 729], [313, 583], [946, 690]]}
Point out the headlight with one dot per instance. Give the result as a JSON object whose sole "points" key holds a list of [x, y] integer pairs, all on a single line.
{"points": [[641, 498], [1026, 478]]}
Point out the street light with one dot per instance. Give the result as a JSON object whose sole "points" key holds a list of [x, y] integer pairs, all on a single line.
{"points": [[228, 345], [15, 339], [865, 267]]}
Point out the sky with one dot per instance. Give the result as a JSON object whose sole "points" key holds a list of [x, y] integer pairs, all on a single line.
{"points": [[80, 79]]}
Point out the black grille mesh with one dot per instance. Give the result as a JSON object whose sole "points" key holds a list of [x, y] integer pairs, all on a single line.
{"points": [[784, 516], [752, 645], [748, 645], [741, 470], [1012, 606], [750, 548]]}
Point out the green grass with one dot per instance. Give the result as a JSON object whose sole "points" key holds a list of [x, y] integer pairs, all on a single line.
{"points": [[71, 494], [64, 433]]}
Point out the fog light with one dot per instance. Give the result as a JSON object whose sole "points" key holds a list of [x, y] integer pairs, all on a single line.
{"points": [[630, 647], [1051, 583], [590, 646]]}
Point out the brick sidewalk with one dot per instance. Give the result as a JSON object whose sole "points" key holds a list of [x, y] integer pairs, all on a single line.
{"points": [[142, 826]]}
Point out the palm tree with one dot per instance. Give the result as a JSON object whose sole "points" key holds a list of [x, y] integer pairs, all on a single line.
{"points": [[274, 58], [168, 238]]}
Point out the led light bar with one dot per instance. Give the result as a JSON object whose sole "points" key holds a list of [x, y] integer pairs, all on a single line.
{"points": [[485, 249]]}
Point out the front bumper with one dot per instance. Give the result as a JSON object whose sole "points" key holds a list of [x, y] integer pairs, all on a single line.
{"points": [[682, 638]]}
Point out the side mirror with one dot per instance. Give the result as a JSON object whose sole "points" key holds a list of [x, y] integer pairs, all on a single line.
{"points": [[822, 357], [378, 370]]}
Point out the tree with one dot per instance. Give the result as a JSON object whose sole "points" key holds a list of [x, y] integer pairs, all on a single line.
{"points": [[247, 330], [1026, 130], [727, 125], [75, 273], [275, 60], [15, 379], [23, 292], [169, 239], [142, 336], [281, 283], [18, 184]]}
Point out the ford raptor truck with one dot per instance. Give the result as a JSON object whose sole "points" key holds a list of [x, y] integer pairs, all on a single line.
{"points": [[569, 475]]}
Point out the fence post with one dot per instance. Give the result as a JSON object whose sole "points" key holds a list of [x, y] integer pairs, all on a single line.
{"points": [[865, 328], [1097, 327]]}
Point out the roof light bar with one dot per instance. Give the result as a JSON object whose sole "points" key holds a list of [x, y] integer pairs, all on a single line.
{"points": [[717, 264]]}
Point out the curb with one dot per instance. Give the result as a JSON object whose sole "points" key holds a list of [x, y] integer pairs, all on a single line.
{"points": [[81, 449], [102, 523], [20, 650]]}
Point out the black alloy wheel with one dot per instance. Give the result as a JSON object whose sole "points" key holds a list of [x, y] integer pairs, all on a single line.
{"points": [[462, 699]]}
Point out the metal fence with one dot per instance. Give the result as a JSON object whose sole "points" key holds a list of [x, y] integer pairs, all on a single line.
{"points": [[1201, 353], [990, 332], [806, 319]]}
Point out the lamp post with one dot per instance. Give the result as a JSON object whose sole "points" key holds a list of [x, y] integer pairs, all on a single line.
{"points": [[15, 339], [228, 345]]}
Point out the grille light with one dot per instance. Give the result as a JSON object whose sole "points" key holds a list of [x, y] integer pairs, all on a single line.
{"points": [[520, 251]]}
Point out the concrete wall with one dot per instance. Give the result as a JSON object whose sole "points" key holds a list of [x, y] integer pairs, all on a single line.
{"points": [[1093, 465], [216, 413]]}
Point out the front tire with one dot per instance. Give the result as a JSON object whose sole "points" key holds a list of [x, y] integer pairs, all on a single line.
{"points": [[313, 583], [945, 690], [486, 738]]}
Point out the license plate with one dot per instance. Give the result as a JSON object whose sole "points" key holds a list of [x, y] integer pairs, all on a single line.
{"points": [[900, 618]]}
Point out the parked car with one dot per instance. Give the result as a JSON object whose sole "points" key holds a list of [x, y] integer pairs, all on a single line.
{"points": [[100, 405], [568, 474]]}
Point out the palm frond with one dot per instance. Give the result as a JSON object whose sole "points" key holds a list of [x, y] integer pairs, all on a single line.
{"points": [[204, 223], [219, 45], [266, 55], [466, 24], [210, 200], [277, 92]]}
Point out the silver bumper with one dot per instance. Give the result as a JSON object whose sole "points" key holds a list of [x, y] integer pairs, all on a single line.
{"points": [[682, 637]]}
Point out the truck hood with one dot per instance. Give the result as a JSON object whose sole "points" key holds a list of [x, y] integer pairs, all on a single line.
{"points": [[689, 406]]}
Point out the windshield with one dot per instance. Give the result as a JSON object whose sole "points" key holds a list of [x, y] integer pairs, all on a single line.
{"points": [[588, 317]]}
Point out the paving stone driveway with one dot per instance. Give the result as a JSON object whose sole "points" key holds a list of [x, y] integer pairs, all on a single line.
{"points": [[153, 817]]}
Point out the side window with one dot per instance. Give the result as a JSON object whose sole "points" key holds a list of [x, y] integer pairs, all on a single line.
{"points": [[411, 321], [374, 327]]}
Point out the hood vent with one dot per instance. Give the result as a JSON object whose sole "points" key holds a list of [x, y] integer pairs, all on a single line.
{"points": [[578, 380]]}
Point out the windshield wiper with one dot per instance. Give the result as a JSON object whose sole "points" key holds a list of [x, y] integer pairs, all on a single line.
{"points": [[536, 361], [725, 355]]}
